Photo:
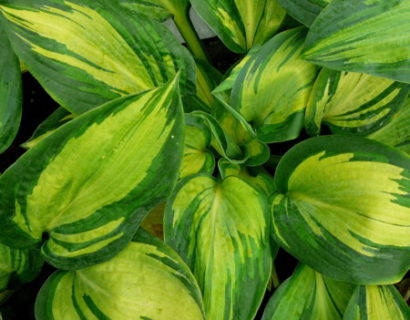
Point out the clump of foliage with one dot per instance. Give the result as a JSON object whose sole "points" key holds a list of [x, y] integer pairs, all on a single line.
{"points": [[149, 131]]}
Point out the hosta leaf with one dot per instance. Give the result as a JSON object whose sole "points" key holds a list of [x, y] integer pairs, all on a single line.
{"points": [[197, 158], [305, 11], [18, 266], [87, 186], [273, 87], [220, 228], [241, 23], [257, 177], [350, 102], [397, 132], [10, 92], [363, 36], [377, 302], [308, 295], [48, 126], [146, 280], [85, 53], [150, 8], [343, 208]]}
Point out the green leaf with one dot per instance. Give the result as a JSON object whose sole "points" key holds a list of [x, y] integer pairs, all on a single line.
{"points": [[221, 229], [48, 126], [305, 11], [343, 208], [197, 157], [272, 89], [146, 280], [308, 295], [85, 53], [397, 132], [157, 9], [18, 266], [363, 36], [353, 103], [10, 92], [377, 302], [241, 24], [257, 177], [86, 187]]}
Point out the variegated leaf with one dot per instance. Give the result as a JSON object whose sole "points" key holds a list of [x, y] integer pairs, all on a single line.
{"points": [[85, 53], [221, 229], [272, 89], [308, 295], [257, 177], [377, 303], [363, 36], [86, 187], [343, 208], [48, 126], [197, 157], [397, 132], [305, 11], [354, 103], [146, 280], [18, 266], [10, 92], [241, 24]]}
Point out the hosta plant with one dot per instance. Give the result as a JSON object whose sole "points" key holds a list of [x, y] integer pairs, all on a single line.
{"points": [[163, 188]]}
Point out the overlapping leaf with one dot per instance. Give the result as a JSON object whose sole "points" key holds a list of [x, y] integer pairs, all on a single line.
{"points": [[221, 229], [305, 11], [343, 208], [363, 36], [241, 23], [10, 92], [272, 89], [86, 187], [350, 102], [308, 295], [197, 158], [85, 53], [146, 280], [397, 132], [377, 302], [17, 266]]}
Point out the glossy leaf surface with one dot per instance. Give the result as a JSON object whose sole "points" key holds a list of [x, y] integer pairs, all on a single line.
{"points": [[353, 103], [241, 24], [85, 53], [377, 302], [10, 92], [308, 295], [305, 11], [272, 89], [343, 208], [86, 187], [146, 280], [221, 230], [363, 36]]}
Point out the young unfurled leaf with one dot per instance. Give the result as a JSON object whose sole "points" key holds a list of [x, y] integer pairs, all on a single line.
{"points": [[272, 89], [241, 24], [308, 295], [88, 185], [197, 158], [85, 53], [221, 229], [18, 266], [343, 208], [305, 11], [146, 280], [397, 132], [363, 36], [350, 102], [377, 302], [10, 92]]}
